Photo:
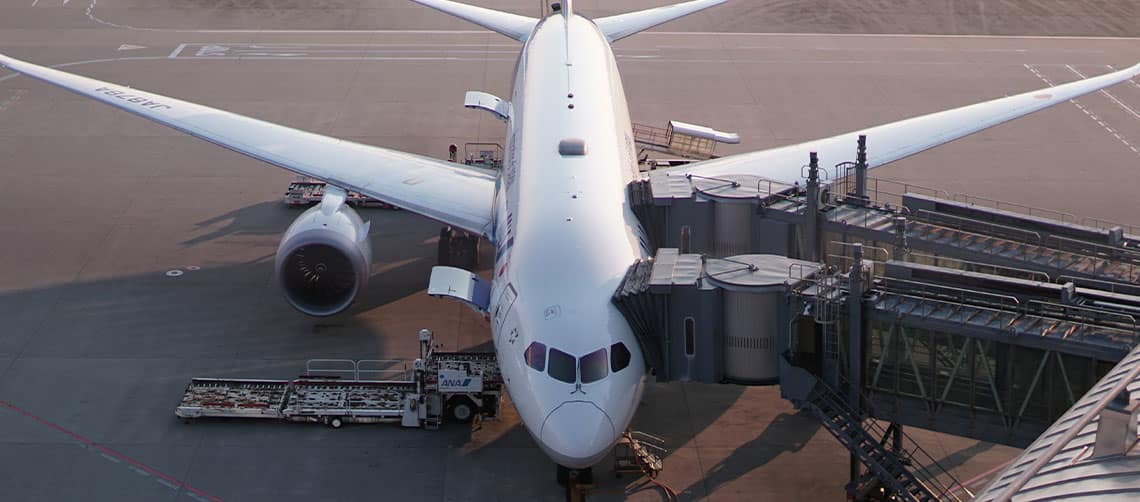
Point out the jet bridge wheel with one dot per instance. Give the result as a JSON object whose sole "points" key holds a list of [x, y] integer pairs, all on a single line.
{"points": [[458, 249]]}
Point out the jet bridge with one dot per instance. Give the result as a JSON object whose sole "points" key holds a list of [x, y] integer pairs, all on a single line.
{"points": [[869, 300]]}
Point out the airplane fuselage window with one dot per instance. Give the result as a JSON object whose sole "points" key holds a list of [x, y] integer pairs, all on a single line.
{"points": [[536, 356], [619, 357], [594, 366], [562, 366]]}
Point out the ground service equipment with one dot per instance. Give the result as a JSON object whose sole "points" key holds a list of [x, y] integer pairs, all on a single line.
{"points": [[455, 385]]}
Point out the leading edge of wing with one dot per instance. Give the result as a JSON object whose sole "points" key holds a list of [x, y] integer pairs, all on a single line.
{"points": [[890, 142], [456, 195], [512, 25], [623, 25]]}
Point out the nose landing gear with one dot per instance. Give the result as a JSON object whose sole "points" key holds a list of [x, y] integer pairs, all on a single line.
{"points": [[576, 481]]}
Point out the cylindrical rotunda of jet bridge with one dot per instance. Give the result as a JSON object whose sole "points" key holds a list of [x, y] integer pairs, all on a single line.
{"points": [[735, 198], [756, 312]]}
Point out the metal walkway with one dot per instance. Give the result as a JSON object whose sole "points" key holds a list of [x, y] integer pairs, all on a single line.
{"points": [[968, 316], [1090, 451]]}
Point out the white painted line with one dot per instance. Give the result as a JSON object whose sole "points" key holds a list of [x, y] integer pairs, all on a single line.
{"points": [[111, 458], [197, 497], [1131, 81], [176, 51], [167, 484], [93, 17], [1083, 109], [1109, 95], [138, 471]]}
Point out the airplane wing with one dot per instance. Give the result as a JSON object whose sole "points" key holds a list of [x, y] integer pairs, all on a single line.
{"points": [[512, 25], [623, 25], [457, 195], [890, 142]]}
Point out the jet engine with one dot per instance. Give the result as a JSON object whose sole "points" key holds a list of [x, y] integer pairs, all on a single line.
{"points": [[324, 258]]}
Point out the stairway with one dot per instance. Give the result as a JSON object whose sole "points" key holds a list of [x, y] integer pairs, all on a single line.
{"points": [[805, 390]]}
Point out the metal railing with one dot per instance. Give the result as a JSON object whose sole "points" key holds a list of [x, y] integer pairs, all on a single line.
{"points": [[880, 189], [995, 230], [1084, 320], [1001, 205], [362, 370], [1033, 274]]}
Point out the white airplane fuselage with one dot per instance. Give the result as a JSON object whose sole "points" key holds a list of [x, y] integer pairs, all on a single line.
{"points": [[565, 235]]}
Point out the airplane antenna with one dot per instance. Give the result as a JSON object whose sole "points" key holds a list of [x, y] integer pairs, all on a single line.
{"points": [[567, 9]]}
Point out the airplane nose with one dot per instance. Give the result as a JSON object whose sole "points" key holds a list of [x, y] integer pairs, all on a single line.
{"points": [[578, 434]]}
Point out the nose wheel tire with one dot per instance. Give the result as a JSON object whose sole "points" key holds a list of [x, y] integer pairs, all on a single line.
{"points": [[579, 476]]}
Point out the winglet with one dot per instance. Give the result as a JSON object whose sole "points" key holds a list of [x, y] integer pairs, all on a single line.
{"points": [[623, 25], [512, 25]]}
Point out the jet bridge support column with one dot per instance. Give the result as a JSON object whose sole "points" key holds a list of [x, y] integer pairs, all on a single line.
{"points": [[855, 352], [861, 170], [811, 229]]}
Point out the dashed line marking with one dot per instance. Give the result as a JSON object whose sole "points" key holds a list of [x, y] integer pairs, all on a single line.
{"points": [[1130, 81], [138, 471], [1108, 94], [13, 99], [167, 484], [108, 457], [1090, 114]]}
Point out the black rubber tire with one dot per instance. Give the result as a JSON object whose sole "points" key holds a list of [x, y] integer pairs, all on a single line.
{"points": [[460, 410], [563, 476], [336, 423], [443, 254]]}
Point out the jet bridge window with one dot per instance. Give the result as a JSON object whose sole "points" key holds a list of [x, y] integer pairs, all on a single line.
{"points": [[593, 366], [619, 357], [536, 356], [562, 366]]}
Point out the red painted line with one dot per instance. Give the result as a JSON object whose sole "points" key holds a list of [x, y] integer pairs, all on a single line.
{"points": [[108, 451]]}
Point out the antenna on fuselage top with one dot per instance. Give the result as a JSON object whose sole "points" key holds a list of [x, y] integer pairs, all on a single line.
{"points": [[556, 7]]}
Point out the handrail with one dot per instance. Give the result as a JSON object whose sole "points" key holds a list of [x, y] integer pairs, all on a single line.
{"points": [[921, 473], [1123, 317], [1103, 224], [1076, 280], [1114, 252], [997, 204], [845, 245], [1026, 271], [961, 291], [962, 221]]}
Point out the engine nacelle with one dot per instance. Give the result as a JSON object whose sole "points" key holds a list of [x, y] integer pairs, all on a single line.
{"points": [[324, 258]]}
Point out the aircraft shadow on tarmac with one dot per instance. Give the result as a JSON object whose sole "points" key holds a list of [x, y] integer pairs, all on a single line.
{"points": [[230, 321]]}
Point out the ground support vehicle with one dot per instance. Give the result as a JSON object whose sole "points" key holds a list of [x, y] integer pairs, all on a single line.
{"points": [[458, 386]]}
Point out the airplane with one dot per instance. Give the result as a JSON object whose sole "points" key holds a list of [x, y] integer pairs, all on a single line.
{"points": [[557, 212]]}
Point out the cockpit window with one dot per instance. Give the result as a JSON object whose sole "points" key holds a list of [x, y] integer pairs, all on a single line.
{"points": [[562, 366], [536, 356], [619, 357], [594, 366]]}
